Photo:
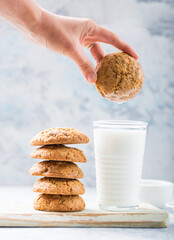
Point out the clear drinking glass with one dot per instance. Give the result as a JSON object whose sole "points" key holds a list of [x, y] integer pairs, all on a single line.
{"points": [[119, 149]]}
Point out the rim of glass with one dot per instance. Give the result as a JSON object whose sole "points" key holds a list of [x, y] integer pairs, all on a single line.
{"points": [[119, 124]]}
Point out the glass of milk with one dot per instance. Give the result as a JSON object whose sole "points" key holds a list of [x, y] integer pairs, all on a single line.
{"points": [[119, 149]]}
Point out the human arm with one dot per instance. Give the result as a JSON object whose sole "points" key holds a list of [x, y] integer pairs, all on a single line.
{"points": [[64, 35]]}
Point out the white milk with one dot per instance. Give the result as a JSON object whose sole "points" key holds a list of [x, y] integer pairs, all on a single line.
{"points": [[119, 157]]}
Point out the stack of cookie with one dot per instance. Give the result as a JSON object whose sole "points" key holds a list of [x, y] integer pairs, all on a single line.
{"points": [[59, 186]]}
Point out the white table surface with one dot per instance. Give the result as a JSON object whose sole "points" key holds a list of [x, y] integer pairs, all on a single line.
{"points": [[9, 195]]}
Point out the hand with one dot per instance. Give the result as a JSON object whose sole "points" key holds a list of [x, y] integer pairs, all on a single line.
{"points": [[64, 35], [68, 36]]}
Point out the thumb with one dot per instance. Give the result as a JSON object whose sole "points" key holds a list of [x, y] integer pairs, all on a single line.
{"points": [[85, 65]]}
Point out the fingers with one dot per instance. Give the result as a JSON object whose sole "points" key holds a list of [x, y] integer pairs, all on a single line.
{"points": [[97, 52], [85, 65], [106, 36]]}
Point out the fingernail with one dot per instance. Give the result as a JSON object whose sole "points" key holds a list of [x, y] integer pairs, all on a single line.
{"points": [[91, 78]]}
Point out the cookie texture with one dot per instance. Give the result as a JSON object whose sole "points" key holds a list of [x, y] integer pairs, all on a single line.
{"points": [[59, 136], [59, 186], [59, 153], [119, 77], [59, 203], [56, 170]]}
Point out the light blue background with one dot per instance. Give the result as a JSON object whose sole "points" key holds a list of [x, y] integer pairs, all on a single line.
{"points": [[40, 89]]}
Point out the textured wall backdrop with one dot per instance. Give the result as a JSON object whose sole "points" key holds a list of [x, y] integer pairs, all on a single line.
{"points": [[39, 89]]}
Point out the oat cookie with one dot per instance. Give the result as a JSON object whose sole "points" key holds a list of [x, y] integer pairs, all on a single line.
{"points": [[59, 203], [56, 170], [59, 153], [59, 136], [59, 186], [119, 77]]}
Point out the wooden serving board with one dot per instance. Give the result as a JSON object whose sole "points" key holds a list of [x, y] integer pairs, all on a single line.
{"points": [[24, 215]]}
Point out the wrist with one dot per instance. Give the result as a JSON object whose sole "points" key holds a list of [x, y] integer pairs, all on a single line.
{"points": [[30, 18]]}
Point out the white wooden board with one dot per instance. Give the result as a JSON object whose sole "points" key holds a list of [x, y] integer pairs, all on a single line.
{"points": [[24, 215]]}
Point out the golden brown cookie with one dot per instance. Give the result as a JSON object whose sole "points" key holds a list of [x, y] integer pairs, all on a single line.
{"points": [[119, 77], [59, 186], [59, 203], [59, 136], [59, 153], [56, 170]]}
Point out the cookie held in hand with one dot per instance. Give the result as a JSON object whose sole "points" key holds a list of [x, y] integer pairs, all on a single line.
{"points": [[119, 77]]}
